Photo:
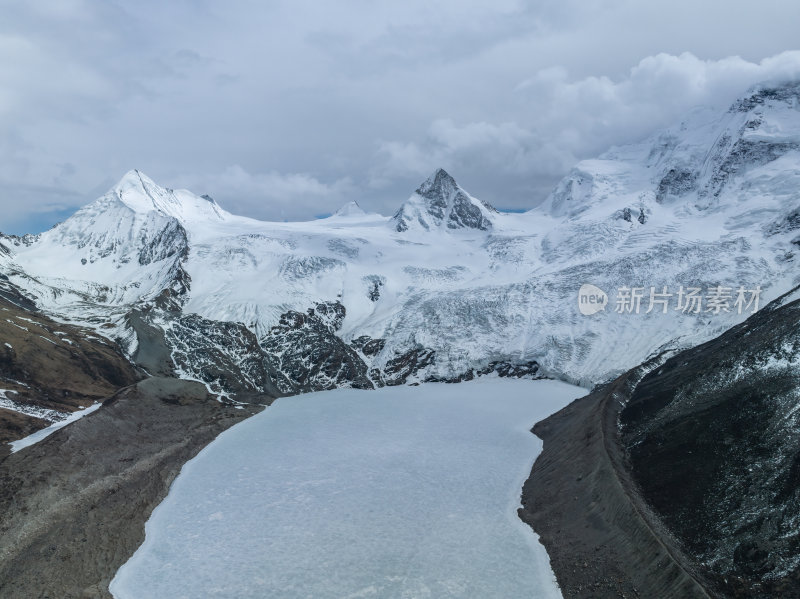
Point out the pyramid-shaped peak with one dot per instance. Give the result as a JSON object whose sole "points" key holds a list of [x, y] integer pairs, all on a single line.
{"points": [[439, 182], [440, 203], [141, 194], [135, 183], [133, 178], [136, 190], [350, 209]]}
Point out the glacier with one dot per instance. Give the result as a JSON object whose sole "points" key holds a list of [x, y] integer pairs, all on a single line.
{"points": [[400, 492], [447, 288]]}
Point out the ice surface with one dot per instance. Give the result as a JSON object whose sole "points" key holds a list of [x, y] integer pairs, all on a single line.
{"points": [[401, 492]]}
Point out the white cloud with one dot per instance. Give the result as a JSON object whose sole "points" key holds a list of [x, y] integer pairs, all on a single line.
{"points": [[587, 115], [478, 147], [272, 195], [322, 103], [563, 120]]}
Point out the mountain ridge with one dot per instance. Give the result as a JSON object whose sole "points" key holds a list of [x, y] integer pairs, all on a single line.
{"points": [[446, 286]]}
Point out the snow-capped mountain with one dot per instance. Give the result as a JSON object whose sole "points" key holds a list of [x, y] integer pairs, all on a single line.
{"points": [[447, 287], [441, 203]]}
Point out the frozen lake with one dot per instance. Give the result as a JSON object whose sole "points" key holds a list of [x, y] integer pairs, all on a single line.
{"points": [[405, 492]]}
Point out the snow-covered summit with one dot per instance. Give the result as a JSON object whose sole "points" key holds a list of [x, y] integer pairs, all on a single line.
{"points": [[441, 203], [691, 163], [141, 194], [714, 201], [126, 246], [350, 209]]}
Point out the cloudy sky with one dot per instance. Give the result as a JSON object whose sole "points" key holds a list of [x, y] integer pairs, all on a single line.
{"points": [[288, 109]]}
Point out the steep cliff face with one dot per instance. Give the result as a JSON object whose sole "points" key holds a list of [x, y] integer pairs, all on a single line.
{"points": [[305, 348], [713, 438]]}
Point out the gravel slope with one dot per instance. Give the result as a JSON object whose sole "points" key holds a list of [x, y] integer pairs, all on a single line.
{"points": [[73, 507], [600, 536]]}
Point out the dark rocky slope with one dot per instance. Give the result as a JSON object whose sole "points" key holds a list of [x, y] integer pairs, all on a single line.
{"points": [[713, 438], [680, 478]]}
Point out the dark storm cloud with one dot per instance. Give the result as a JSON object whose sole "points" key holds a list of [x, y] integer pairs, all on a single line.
{"points": [[285, 110]]}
